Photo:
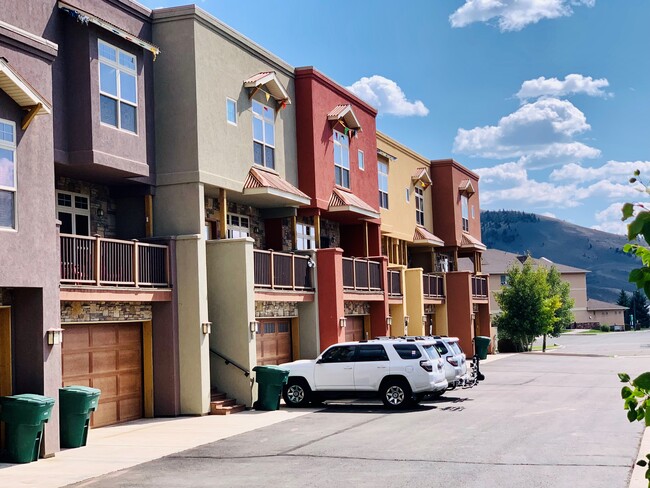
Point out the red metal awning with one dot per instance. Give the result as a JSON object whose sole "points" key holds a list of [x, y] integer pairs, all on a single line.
{"points": [[423, 236], [345, 201], [270, 188], [421, 176], [469, 242]]}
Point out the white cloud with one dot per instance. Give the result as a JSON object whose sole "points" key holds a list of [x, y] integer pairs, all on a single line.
{"points": [[387, 97], [513, 172], [571, 85], [549, 214], [612, 170], [540, 134], [609, 220], [513, 15]]}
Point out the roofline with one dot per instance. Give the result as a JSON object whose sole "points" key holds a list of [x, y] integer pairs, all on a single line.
{"points": [[455, 164], [133, 7], [310, 71], [200, 16], [401, 147]]}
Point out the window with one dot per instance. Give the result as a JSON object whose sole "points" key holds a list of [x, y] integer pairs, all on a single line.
{"points": [[73, 210], [408, 195], [408, 351], [441, 348], [382, 170], [464, 204], [231, 111], [375, 352], [504, 280], [238, 226], [263, 135], [362, 162], [305, 236], [338, 354], [211, 230], [7, 174], [473, 212], [118, 94], [419, 205], [341, 159]]}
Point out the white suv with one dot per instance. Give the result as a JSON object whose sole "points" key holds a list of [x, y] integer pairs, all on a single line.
{"points": [[455, 362], [399, 371]]}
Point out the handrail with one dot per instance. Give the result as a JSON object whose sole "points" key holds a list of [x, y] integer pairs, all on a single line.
{"points": [[230, 361]]}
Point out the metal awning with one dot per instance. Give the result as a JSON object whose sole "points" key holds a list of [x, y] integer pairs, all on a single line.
{"points": [[344, 114], [469, 242], [423, 236], [265, 187], [422, 176], [85, 18], [21, 92], [466, 187], [345, 201], [268, 80]]}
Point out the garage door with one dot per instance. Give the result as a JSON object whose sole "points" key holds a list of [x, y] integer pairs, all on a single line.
{"points": [[108, 357], [354, 328], [274, 342]]}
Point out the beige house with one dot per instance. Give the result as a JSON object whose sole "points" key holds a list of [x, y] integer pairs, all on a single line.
{"points": [[606, 313]]}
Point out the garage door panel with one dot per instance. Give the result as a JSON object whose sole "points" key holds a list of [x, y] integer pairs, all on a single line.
{"points": [[108, 385], [103, 335], [274, 342], [130, 409], [78, 382], [129, 359], [130, 334], [77, 338], [76, 364], [104, 361], [129, 383], [354, 328]]}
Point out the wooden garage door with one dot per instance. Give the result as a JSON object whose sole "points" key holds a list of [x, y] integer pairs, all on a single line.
{"points": [[274, 342], [354, 328], [108, 357]]}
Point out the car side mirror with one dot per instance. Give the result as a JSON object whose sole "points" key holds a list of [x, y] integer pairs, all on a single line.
{"points": [[320, 361]]}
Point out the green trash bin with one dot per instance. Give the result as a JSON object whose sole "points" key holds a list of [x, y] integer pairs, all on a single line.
{"points": [[24, 417], [481, 344], [76, 403], [270, 380]]}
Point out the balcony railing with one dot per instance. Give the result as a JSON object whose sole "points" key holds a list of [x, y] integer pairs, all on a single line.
{"points": [[111, 262], [433, 285], [361, 274], [282, 271], [394, 283], [479, 287]]}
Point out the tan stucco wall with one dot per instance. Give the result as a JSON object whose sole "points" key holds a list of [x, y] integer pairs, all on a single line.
{"points": [[608, 317], [231, 303], [414, 301], [399, 219], [193, 345]]}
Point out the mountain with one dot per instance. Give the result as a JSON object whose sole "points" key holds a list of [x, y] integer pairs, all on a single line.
{"points": [[564, 243]]}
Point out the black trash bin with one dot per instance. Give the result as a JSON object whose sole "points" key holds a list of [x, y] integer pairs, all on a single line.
{"points": [[24, 417], [76, 403], [481, 344], [270, 380]]}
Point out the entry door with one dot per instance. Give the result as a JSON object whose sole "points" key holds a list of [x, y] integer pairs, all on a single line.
{"points": [[273, 340], [354, 329], [335, 369], [108, 357]]}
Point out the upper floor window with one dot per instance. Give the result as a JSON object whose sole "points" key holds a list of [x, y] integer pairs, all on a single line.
{"points": [[231, 111], [73, 210], [419, 205], [118, 94], [7, 174], [465, 212], [408, 195], [362, 161], [263, 135], [382, 171], [238, 226], [305, 236], [341, 159]]}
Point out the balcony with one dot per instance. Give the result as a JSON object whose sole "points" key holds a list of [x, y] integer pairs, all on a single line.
{"points": [[394, 284], [97, 261], [479, 287], [282, 271], [362, 275], [433, 286]]}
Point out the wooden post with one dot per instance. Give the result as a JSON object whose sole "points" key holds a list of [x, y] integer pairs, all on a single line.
{"points": [[167, 266], [317, 230], [366, 245], [294, 237], [223, 212], [272, 270], [293, 269], [148, 215], [135, 262], [98, 259]]}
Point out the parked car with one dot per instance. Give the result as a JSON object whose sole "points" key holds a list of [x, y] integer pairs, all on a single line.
{"points": [[399, 371], [455, 361]]}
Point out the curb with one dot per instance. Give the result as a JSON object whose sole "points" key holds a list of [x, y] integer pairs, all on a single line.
{"points": [[637, 480]]}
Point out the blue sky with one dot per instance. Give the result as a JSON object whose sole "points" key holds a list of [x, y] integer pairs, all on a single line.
{"points": [[548, 100]]}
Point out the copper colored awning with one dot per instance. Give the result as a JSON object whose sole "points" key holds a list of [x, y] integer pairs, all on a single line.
{"points": [[344, 201], [269, 80], [345, 114], [270, 189], [469, 242], [423, 236], [421, 176], [466, 187]]}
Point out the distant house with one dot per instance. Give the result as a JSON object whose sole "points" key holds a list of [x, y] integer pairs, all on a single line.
{"points": [[606, 313]]}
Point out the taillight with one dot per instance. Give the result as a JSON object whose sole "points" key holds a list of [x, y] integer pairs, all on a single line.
{"points": [[452, 361], [426, 365], [440, 364]]}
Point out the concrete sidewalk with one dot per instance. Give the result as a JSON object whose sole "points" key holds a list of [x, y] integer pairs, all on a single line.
{"points": [[118, 447]]}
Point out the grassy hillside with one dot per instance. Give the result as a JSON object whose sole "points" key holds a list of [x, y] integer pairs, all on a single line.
{"points": [[565, 243]]}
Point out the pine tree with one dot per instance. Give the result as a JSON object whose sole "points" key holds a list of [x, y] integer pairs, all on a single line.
{"points": [[639, 309], [624, 301]]}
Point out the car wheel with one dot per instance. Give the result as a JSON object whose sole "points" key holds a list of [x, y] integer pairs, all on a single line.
{"points": [[296, 393], [396, 393]]}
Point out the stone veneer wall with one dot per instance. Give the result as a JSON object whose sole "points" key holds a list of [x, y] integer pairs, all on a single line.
{"points": [[332, 231], [99, 198], [356, 308], [82, 312], [275, 309], [5, 297], [255, 220]]}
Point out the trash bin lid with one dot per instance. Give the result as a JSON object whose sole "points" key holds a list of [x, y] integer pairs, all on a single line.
{"points": [[270, 368], [29, 398], [80, 390]]}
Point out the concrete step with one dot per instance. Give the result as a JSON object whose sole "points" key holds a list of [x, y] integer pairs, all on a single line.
{"points": [[226, 402], [219, 410], [216, 396]]}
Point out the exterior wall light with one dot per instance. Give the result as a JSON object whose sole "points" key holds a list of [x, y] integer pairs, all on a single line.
{"points": [[254, 326], [206, 327], [54, 336], [424, 320], [389, 321], [342, 322]]}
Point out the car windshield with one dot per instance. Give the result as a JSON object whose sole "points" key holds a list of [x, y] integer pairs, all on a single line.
{"points": [[456, 348], [431, 351]]}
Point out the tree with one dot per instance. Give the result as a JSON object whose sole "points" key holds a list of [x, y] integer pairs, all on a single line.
{"points": [[624, 301], [532, 305], [639, 310]]}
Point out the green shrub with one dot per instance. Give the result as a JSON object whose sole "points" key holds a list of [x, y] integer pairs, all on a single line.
{"points": [[604, 328]]}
